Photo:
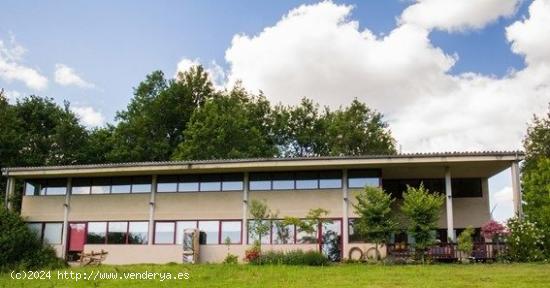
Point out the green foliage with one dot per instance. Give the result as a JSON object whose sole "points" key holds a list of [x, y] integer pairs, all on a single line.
{"points": [[376, 221], [228, 126], [421, 207], [537, 142], [296, 257], [465, 241], [259, 213], [524, 241], [20, 248], [312, 220], [536, 195], [231, 259]]}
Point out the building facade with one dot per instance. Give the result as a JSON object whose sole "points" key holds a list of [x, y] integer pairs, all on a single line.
{"points": [[137, 212]]}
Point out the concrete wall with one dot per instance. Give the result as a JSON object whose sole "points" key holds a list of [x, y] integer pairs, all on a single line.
{"points": [[198, 205], [109, 207], [42, 208], [297, 203]]}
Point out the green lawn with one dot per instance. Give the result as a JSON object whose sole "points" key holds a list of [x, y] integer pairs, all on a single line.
{"points": [[348, 275]]}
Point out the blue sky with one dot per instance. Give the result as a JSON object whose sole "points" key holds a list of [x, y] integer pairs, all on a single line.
{"points": [[461, 69]]}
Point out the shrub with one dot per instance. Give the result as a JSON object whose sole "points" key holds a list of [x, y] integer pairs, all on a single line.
{"points": [[231, 259], [252, 255], [465, 243], [20, 248], [524, 241], [493, 230], [295, 257]]}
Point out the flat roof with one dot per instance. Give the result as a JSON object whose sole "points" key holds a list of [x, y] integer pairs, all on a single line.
{"points": [[487, 163]]}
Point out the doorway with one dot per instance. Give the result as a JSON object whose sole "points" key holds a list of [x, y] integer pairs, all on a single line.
{"points": [[331, 239]]}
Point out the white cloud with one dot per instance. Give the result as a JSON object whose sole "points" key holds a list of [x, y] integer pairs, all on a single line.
{"points": [[215, 72], [12, 95], [11, 68], [89, 116], [453, 15], [502, 205], [318, 52], [66, 76]]}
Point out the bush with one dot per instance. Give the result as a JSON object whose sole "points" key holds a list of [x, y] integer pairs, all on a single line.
{"points": [[231, 259], [465, 242], [524, 241], [296, 257], [251, 255], [20, 248]]}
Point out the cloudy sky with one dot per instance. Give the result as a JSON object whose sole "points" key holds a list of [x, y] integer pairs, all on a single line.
{"points": [[448, 75]]}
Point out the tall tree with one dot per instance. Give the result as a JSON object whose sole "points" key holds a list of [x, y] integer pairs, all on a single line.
{"points": [[537, 141], [152, 126], [358, 130], [228, 126]]}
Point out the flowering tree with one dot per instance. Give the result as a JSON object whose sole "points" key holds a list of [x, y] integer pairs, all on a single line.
{"points": [[524, 241], [493, 230]]}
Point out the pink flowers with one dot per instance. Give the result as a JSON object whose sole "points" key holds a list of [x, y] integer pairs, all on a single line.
{"points": [[493, 229]]}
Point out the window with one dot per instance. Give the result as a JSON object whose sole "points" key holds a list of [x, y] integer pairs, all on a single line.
{"points": [[101, 185], [188, 183], [330, 179], [231, 231], [303, 237], [181, 226], [138, 232], [121, 185], [232, 182], [282, 234], [53, 187], [117, 232], [283, 181], [52, 233], [167, 183], [253, 237], [33, 187], [97, 232], [36, 228], [466, 187], [260, 181], [363, 178], [141, 184], [210, 182], [164, 232], [209, 232], [81, 186], [307, 180], [354, 237]]}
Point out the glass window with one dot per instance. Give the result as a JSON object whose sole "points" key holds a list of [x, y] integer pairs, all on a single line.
{"points": [[231, 231], [56, 187], [167, 183], [466, 187], [117, 232], [138, 232], [188, 183], [283, 181], [282, 234], [33, 187], [81, 186], [363, 178], [181, 226], [307, 180], [96, 232], [210, 182], [330, 179], [354, 237], [101, 185], [209, 232], [303, 237], [36, 228], [52, 233], [141, 184], [121, 185], [252, 236], [260, 181], [164, 232], [232, 182]]}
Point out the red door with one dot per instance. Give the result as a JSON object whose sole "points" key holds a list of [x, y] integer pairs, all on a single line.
{"points": [[77, 236]]}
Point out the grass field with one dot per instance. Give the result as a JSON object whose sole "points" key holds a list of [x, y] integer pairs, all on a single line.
{"points": [[349, 275]]}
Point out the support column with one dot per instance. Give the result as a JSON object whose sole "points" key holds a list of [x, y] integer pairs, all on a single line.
{"points": [[65, 230], [244, 235], [345, 213], [516, 189], [10, 190], [152, 210], [449, 204], [7, 195]]}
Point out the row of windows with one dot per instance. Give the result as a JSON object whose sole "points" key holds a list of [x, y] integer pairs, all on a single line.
{"points": [[313, 180], [48, 232], [117, 232], [460, 187], [212, 231]]}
